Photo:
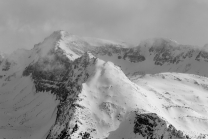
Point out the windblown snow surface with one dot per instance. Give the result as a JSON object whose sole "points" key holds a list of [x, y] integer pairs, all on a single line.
{"points": [[70, 87]]}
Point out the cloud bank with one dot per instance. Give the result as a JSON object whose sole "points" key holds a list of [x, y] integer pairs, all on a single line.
{"points": [[26, 22]]}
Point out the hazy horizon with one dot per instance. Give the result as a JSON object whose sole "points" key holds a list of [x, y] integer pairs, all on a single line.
{"points": [[24, 23]]}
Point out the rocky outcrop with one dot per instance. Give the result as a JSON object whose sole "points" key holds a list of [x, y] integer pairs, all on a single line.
{"points": [[151, 126], [163, 51], [64, 79]]}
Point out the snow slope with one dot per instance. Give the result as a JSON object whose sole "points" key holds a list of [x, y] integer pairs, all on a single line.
{"points": [[181, 99], [68, 87]]}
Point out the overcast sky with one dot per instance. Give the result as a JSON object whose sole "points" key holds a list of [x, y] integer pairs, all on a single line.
{"points": [[24, 23]]}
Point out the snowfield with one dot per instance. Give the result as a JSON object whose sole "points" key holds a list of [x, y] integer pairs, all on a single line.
{"points": [[70, 87]]}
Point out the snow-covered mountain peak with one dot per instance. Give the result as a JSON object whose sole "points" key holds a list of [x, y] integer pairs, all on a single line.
{"points": [[48, 44], [71, 87]]}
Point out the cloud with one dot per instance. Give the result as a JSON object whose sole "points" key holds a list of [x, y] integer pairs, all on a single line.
{"points": [[26, 22]]}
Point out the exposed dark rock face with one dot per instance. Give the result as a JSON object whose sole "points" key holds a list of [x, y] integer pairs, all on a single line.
{"points": [[166, 53], [131, 54], [163, 52], [50, 74], [76, 77], [64, 79], [151, 126]]}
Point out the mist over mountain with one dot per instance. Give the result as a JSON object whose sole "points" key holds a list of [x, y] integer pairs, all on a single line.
{"points": [[71, 87]]}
